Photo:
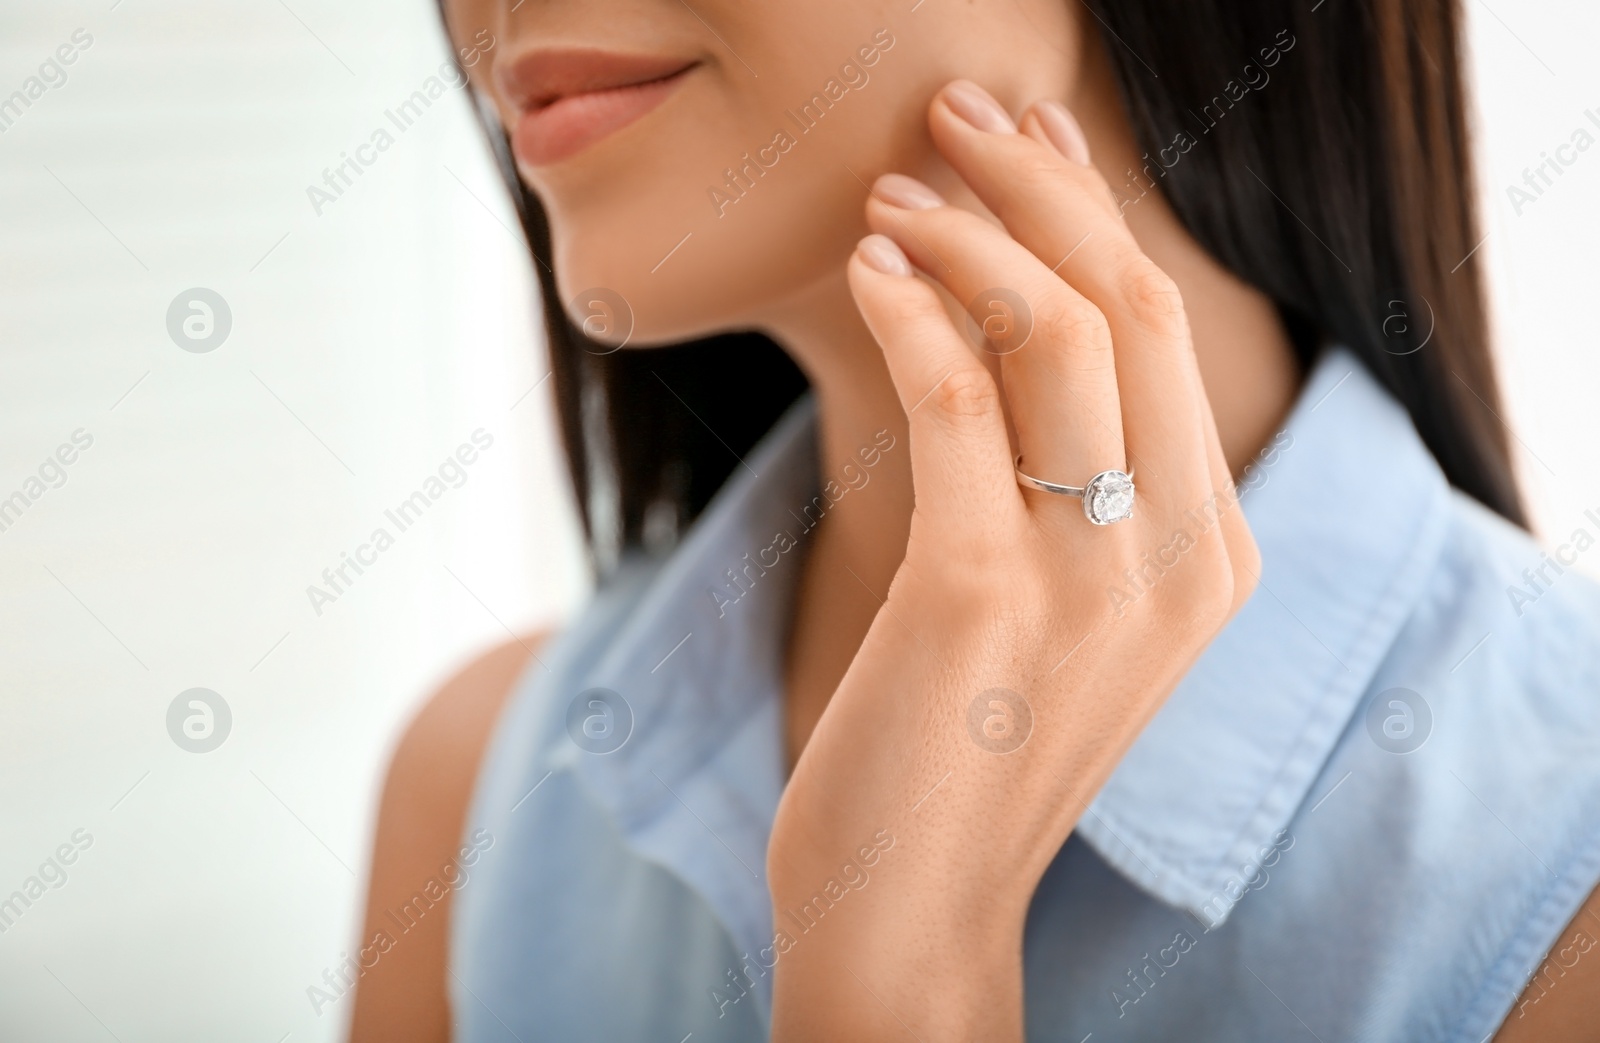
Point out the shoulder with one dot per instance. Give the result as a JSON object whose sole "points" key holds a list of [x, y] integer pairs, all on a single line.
{"points": [[421, 817], [458, 716], [435, 762]]}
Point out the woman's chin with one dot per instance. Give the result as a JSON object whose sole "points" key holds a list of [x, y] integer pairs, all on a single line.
{"points": [[621, 303]]}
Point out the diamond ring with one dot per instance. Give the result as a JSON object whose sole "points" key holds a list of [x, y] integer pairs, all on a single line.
{"points": [[1107, 497]]}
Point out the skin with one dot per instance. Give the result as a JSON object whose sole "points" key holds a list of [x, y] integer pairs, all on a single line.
{"points": [[941, 579], [420, 824]]}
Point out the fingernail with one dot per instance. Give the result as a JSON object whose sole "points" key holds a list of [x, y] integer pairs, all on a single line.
{"points": [[906, 192], [883, 254], [978, 107], [1063, 130]]}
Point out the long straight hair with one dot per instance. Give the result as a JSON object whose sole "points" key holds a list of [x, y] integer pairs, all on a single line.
{"points": [[1320, 152]]}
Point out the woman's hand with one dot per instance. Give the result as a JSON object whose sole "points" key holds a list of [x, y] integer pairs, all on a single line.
{"points": [[915, 827]]}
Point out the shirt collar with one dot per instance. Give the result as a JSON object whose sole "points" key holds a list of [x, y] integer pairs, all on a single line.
{"points": [[1348, 509]]}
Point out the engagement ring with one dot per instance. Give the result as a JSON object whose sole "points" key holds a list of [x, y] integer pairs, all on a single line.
{"points": [[1107, 497]]}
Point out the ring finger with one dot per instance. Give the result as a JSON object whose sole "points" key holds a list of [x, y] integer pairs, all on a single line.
{"points": [[1054, 345]]}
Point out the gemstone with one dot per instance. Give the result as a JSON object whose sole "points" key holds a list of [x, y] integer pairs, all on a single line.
{"points": [[1108, 497]]}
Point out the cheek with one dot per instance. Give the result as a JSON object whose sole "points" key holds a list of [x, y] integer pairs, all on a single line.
{"points": [[475, 28], [737, 199], [685, 272], [700, 218]]}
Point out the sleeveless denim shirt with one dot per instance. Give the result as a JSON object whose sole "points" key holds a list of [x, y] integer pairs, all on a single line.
{"points": [[1367, 813]]}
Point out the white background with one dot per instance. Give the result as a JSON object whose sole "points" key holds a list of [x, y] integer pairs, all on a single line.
{"points": [[367, 343]]}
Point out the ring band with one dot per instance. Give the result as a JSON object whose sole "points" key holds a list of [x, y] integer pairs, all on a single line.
{"points": [[1107, 497]]}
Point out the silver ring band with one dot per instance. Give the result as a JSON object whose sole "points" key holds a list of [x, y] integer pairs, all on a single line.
{"points": [[1107, 497]]}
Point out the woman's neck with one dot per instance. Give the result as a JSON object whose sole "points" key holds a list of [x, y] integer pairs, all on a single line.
{"points": [[1246, 362]]}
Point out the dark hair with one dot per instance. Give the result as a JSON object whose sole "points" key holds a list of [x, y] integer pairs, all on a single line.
{"points": [[1341, 187], [1319, 151]]}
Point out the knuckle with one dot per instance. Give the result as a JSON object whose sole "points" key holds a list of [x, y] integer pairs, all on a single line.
{"points": [[1064, 319], [1029, 598], [967, 393], [1113, 578], [1202, 597], [1152, 297], [958, 568]]}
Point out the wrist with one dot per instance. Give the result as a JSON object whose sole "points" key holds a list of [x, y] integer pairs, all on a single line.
{"points": [[946, 961], [883, 967]]}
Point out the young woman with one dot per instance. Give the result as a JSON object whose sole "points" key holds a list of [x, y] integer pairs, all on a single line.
{"points": [[1066, 581]]}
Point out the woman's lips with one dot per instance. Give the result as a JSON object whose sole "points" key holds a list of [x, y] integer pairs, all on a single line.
{"points": [[572, 99]]}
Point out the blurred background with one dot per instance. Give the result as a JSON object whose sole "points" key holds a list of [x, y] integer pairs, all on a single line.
{"points": [[248, 374]]}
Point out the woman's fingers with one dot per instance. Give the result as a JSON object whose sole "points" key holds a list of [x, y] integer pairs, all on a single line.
{"points": [[1039, 184], [1050, 123], [1055, 348], [1098, 365], [1042, 185], [960, 455]]}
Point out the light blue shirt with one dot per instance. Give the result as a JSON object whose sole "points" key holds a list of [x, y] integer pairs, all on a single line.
{"points": [[1367, 813]]}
